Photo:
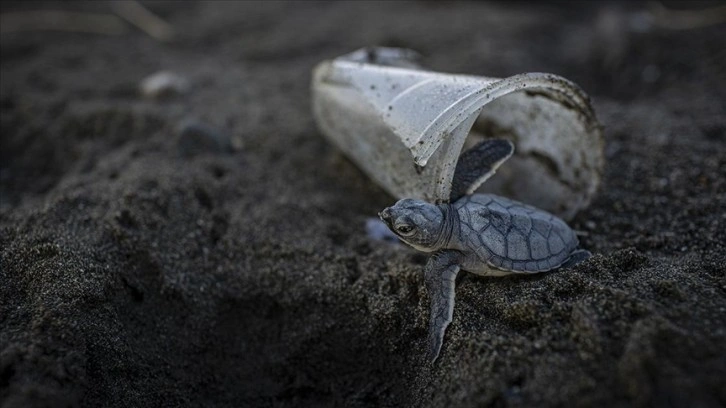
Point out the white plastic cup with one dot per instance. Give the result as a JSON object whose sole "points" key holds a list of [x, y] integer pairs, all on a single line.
{"points": [[407, 127]]}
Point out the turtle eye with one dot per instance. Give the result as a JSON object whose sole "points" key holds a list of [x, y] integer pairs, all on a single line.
{"points": [[404, 229]]}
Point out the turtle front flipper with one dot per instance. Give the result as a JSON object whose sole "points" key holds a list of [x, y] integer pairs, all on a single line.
{"points": [[477, 164], [440, 275]]}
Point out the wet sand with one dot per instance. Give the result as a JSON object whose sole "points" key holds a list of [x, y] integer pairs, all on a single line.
{"points": [[142, 266]]}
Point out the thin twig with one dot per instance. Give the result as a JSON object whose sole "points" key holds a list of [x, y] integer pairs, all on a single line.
{"points": [[686, 19], [62, 21], [138, 15]]}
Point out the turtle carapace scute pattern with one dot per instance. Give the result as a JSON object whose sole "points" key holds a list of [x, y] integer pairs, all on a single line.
{"points": [[512, 236]]}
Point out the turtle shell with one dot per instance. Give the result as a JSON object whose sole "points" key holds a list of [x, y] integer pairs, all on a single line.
{"points": [[513, 236]]}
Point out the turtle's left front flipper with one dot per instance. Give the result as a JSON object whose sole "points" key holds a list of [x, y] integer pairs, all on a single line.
{"points": [[477, 164], [440, 275]]}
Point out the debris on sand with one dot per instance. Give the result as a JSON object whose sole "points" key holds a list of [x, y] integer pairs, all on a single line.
{"points": [[164, 84]]}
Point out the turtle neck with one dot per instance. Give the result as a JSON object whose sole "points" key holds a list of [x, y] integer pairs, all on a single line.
{"points": [[448, 224]]}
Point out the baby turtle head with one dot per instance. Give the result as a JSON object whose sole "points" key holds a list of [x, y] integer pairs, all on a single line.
{"points": [[416, 223]]}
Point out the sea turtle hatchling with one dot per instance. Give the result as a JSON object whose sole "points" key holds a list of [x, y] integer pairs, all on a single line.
{"points": [[481, 233]]}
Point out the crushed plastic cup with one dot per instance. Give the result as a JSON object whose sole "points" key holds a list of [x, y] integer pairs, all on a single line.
{"points": [[406, 128]]}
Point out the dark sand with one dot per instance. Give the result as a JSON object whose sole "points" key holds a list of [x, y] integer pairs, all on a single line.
{"points": [[136, 273]]}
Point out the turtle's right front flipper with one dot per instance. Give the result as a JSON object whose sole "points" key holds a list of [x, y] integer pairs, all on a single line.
{"points": [[440, 275], [477, 164]]}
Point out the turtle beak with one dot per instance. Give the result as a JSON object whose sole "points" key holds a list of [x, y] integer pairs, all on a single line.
{"points": [[386, 217]]}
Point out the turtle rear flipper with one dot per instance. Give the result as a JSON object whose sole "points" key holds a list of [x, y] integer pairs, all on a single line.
{"points": [[576, 257], [477, 164]]}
